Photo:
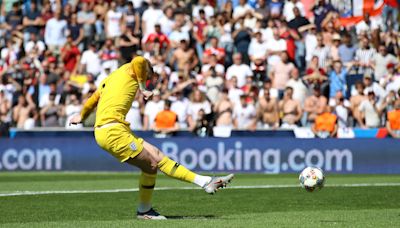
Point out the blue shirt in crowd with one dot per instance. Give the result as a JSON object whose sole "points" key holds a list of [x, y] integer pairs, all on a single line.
{"points": [[338, 82]]}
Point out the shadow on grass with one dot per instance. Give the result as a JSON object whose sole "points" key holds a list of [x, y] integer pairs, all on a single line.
{"points": [[192, 217]]}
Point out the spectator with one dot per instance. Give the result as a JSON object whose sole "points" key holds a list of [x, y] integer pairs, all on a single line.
{"points": [[280, 73], [393, 120], [238, 70], [197, 102], [314, 105], [364, 56], [258, 52], [5, 108], [323, 53], [288, 9], [392, 80], [241, 39], [109, 55], [75, 30], [70, 55], [214, 49], [14, 19], [234, 92], [241, 9], [154, 106], [87, 18], [180, 105], [151, 16], [325, 124], [128, 44], [55, 35], [32, 21], [341, 108], [166, 121], [347, 50], [34, 44], [381, 61], [268, 111], [338, 78], [157, 42], [134, 116], [244, 115], [184, 58], [223, 110], [24, 113], [50, 113], [201, 126], [73, 107], [300, 90], [357, 99], [167, 21], [267, 85], [113, 22], [291, 110], [370, 112], [205, 6], [90, 61], [321, 10], [214, 83], [373, 86], [275, 46]]}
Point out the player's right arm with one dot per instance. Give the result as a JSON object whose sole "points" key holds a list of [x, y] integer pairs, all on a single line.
{"points": [[88, 107]]}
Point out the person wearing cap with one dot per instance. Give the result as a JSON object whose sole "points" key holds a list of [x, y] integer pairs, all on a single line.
{"points": [[113, 100], [371, 85], [393, 120], [336, 39]]}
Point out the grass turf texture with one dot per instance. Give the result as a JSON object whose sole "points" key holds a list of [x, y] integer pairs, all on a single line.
{"points": [[275, 207]]}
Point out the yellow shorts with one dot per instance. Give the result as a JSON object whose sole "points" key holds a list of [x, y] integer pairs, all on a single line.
{"points": [[119, 141]]}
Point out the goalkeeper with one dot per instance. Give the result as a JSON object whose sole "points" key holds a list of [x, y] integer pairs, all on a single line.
{"points": [[113, 100]]}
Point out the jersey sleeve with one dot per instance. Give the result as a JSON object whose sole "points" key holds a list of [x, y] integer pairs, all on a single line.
{"points": [[90, 104], [139, 66]]}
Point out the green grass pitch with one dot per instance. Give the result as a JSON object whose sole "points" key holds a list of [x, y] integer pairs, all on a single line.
{"points": [[282, 206]]}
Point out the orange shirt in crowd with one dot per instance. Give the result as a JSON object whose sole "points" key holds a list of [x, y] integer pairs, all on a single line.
{"points": [[394, 119], [325, 122], [166, 119]]}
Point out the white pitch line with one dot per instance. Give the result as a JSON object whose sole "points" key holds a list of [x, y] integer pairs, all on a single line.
{"points": [[28, 193]]}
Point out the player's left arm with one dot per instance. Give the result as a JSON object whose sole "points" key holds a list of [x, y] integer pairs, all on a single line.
{"points": [[88, 107]]}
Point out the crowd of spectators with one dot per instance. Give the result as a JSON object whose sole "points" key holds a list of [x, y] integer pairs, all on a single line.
{"points": [[241, 64]]}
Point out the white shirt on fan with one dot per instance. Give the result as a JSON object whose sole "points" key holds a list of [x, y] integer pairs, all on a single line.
{"points": [[133, 116], [240, 71], [152, 109], [244, 115]]}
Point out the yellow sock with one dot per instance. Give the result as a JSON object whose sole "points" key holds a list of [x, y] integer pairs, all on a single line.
{"points": [[176, 170], [146, 186]]}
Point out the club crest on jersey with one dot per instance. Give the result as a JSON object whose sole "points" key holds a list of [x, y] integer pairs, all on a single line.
{"points": [[133, 146]]}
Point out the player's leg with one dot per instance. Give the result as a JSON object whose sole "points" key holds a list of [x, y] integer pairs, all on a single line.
{"points": [[152, 155], [147, 182]]}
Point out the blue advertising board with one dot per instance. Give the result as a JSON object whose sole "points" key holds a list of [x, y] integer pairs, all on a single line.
{"points": [[236, 154]]}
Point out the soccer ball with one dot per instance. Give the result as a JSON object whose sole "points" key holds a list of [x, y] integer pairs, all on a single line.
{"points": [[312, 178]]}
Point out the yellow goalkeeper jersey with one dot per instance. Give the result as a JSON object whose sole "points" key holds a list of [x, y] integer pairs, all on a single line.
{"points": [[116, 93]]}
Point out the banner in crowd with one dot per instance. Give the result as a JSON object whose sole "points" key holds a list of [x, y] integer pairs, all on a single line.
{"points": [[244, 154]]}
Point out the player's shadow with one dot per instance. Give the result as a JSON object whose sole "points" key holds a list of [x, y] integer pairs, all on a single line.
{"points": [[192, 217]]}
